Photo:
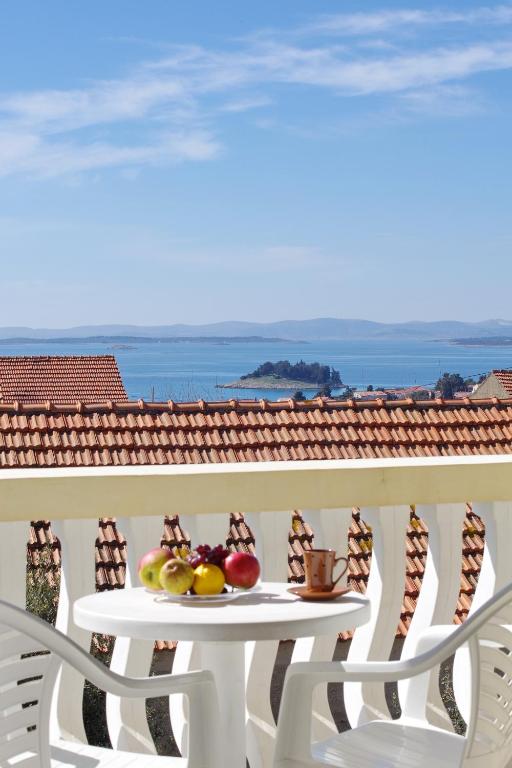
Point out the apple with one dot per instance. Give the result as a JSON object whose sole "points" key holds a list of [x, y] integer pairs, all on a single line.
{"points": [[150, 565], [241, 570], [176, 576]]}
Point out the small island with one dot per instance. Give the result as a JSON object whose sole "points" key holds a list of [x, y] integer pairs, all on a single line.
{"points": [[485, 341], [286, 375]]}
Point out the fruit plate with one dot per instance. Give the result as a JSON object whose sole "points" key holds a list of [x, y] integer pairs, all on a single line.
{"points": [[224, 597]]}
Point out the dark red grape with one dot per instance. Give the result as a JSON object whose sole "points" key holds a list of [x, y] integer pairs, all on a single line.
{"points": [[206, 554]]}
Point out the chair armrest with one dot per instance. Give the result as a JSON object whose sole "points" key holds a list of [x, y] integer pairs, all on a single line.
{"points": [[151, 687], [432, 636], [430, 649]]}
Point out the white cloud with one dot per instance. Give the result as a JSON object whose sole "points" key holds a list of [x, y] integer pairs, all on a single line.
{"points": [[244, 104], [330, 66], [444, 101], [166, 111], [355, 24], [38, 157], [107, 102], [401, 72]]}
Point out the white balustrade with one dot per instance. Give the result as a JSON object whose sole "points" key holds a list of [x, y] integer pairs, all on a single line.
{"points": [[204, 497]]}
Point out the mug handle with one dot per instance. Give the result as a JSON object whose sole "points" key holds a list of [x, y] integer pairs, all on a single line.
{"points": [[336, 561]]}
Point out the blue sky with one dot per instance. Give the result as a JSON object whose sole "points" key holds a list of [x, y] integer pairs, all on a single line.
{"points": [[198, 161]]}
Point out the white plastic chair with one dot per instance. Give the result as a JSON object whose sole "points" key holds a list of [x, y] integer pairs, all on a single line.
{"points": [[27, 677], [411, 741]]}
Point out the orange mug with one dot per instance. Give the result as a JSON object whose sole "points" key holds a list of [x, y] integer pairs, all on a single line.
{"points": [[319, 566]]}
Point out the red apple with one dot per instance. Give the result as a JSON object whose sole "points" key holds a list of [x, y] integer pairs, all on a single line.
{"points": [[241, 570], [150, 565]]}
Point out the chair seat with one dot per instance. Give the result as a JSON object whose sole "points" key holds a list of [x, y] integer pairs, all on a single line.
{"points": [[380, 744], [67, 754]]}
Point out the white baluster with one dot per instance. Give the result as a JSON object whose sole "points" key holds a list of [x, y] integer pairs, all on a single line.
{"points": [[78, 578], [13, 572], [440, 588], [385, 590], [206, 529], [271, 531], [126, 718], [203, 529], [13, 562], [330, 529], [496, 571]]}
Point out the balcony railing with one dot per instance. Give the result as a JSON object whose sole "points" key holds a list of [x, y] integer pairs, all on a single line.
{"points": [[203, 497]]}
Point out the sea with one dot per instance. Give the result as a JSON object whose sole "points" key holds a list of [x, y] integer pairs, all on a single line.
{"points": [[190, 370]]}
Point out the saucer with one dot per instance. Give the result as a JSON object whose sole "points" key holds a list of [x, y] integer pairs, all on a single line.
{"points": [[311, 594]]}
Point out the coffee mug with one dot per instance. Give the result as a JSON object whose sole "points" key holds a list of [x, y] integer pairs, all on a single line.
{"points": [[319, 566]]}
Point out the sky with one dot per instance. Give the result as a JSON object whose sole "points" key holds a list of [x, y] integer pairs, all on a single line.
{"points": [[199, 161]]}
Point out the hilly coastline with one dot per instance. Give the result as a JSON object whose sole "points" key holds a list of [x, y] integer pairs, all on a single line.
{"points": [[289, 330], [123, 341]]}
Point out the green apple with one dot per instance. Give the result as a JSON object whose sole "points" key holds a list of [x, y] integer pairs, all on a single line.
{"points": [[176, 576]]}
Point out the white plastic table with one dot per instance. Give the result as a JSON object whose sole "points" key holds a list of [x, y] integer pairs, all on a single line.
{"points": [[271, 613]]}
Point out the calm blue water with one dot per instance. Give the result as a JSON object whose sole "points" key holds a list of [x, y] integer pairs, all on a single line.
{"points": [[188, 371]]}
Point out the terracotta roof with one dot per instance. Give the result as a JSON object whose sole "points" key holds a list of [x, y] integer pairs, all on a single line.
{"points": [[505, 379], [60, 379], [137, 433]]}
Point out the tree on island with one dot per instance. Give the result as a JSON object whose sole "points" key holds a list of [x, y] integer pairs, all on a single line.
{"points": [[311, 373], [298, 395]]}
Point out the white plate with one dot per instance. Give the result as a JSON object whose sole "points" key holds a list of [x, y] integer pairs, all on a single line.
{"points": [[224, 597]]}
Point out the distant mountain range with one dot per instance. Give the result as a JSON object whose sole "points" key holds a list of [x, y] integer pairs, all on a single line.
{"points": [[307, 330]]}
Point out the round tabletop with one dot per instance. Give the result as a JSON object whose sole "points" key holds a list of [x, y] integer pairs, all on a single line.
{"points": [[269, 613]]}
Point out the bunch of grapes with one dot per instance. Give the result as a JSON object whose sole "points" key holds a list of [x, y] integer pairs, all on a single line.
{"points": [[205, 554]]}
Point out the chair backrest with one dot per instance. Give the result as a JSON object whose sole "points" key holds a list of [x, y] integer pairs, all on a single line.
{"points": [[490, 655], [27, 678]]}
